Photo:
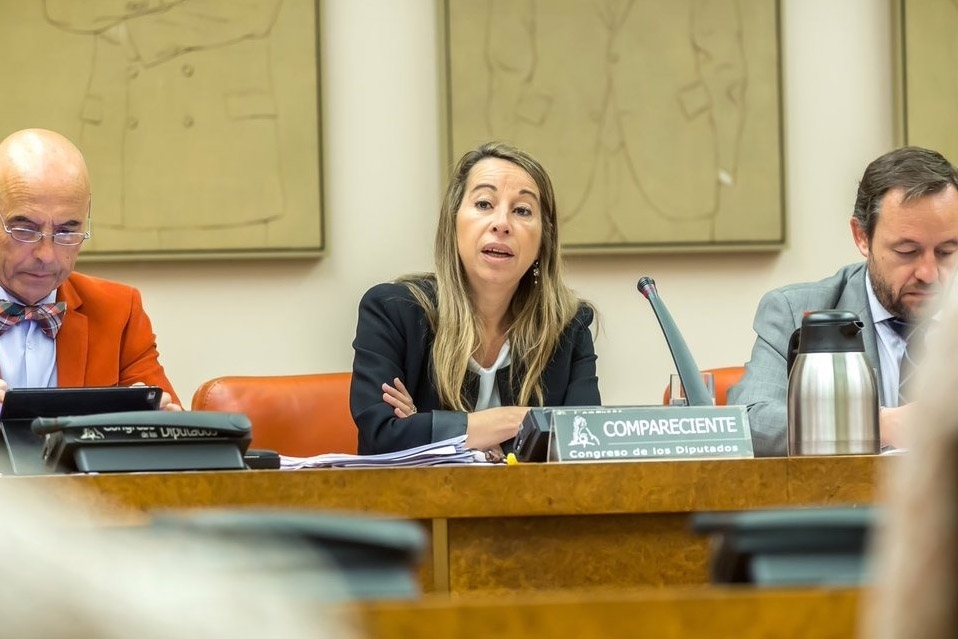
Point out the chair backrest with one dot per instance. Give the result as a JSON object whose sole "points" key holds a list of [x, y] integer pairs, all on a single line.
{"points": [[725, 377], [297, 415]]}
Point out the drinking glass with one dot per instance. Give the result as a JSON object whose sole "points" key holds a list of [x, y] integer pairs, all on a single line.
{"points": [[677, 391]]}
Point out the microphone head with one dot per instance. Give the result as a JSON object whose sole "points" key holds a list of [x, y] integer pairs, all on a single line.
{"points": [[46, 425], [646, 286]]}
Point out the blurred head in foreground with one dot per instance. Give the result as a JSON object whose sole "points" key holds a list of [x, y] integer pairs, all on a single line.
{"points": [[915, 591], [66, 575]]}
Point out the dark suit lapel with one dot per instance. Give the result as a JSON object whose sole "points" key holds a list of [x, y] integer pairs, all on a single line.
{"points": [[72, 340]]}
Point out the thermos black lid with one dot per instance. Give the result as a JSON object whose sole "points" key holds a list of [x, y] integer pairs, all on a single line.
{"points": [[831, 331]]}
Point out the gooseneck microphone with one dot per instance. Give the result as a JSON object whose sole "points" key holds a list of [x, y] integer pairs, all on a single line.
{"points": [[695, 391], [47, 425]]}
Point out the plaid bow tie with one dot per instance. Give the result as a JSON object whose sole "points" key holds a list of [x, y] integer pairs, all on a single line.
{"points": [[49, 316]]}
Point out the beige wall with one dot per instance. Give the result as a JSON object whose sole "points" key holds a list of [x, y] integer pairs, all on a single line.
{"points": [[382, 187]]}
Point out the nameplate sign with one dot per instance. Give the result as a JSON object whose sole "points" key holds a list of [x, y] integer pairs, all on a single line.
{"points": [[649, 432]]}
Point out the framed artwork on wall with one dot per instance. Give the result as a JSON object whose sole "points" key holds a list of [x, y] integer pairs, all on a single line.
{"points": [[927, 69], [199, 119], [660, 123]]}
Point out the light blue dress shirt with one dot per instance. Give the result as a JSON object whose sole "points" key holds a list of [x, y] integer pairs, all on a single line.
{"points": [[28, 357], [891, 346]]}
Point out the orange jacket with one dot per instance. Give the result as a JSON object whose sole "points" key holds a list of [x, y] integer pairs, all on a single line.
{"points": [[106, 338]]}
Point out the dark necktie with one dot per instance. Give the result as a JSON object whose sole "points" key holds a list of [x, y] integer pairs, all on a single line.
{"points": [[912, 334], [48, 316]]}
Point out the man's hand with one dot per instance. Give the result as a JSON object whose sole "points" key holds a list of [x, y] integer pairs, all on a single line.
{"points": [[166, 400], [4, 387], [166, 403], [892, 424]]}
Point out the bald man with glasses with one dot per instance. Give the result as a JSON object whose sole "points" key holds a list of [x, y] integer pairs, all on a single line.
{"points": [[59, 327]]}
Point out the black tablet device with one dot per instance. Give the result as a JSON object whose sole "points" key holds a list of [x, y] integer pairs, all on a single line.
{"points": [[23, 449]]}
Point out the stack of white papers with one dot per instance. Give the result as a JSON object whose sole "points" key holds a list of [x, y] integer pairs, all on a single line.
{"points": [[448, 451]]}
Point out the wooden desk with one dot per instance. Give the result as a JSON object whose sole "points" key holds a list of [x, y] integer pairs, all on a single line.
{"points": [[501, 528], [667, 613]]}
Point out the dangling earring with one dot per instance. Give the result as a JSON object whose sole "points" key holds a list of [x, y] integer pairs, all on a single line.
{"points": [[535, 273]]}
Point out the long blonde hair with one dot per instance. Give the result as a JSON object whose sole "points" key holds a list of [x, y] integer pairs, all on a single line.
{"points": [[540, 311]]}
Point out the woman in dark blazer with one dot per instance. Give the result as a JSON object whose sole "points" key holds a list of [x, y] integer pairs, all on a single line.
{"points": [[494, 330]]}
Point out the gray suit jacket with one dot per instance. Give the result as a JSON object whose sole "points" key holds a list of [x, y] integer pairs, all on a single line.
{"points": [[764, 387]]}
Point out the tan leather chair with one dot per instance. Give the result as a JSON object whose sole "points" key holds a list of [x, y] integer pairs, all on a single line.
{"points": [[297, 415], [725, 377]]}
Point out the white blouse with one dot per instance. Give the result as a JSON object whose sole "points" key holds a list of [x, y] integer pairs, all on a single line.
{"points": [[488, 389]]}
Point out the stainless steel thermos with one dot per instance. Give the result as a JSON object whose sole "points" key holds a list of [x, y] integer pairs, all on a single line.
{"points": [[832, 390]]}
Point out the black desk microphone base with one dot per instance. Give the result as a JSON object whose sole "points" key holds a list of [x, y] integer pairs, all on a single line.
{"points": [[124, 458]]}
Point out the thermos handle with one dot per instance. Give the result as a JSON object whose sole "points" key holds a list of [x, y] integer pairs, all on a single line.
{"points": [[853, 328], [792, 350]]}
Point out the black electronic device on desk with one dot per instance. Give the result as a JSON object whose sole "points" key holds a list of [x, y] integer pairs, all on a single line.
{"points": [[23, 448], [532, 441], [145, 441], [789, 547]]}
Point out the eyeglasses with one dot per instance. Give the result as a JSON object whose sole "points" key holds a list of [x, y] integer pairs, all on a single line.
{"points": [[32, 236]]}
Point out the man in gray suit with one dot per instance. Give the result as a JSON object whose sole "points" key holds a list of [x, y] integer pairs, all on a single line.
{"points": [[905, 224]]}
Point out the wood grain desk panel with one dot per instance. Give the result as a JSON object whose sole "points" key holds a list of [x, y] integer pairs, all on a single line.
{"points": [[651, 546], [577, 551], [835, 480], [669, 613], [526, 490], [519, 527]]}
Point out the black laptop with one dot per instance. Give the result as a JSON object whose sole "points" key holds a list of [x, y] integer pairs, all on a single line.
{"points": [[21, 452]]}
